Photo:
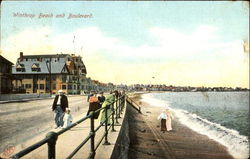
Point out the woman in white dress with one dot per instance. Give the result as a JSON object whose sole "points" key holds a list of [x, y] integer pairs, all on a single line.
{"points": [[169, 120]]}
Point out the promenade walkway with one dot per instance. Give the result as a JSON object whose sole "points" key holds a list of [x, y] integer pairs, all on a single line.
{"points": [[69, 140]]}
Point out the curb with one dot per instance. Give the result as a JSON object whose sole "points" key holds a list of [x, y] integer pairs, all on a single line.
{"points": [[23, 100]]}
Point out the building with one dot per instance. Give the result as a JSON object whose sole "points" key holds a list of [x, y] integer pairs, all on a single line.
{"points": [[5, 76], [79, 74], [49, 73]]}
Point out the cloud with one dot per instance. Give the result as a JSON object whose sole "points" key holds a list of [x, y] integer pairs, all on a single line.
{"points": [[89, 40], [176, 43], [200, 57], [29, 41]]}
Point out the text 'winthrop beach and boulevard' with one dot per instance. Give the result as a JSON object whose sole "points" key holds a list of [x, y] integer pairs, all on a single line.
{"points": [[51, 15]]}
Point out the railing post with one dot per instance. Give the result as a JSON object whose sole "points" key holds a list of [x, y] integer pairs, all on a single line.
{"points": [[92, 133], [106, 126], [123, 102], [119, 108], [113, 118], [116, 112], [52, 144]]}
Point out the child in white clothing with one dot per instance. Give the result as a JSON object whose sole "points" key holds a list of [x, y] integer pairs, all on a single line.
{"points": [[67, 119]]}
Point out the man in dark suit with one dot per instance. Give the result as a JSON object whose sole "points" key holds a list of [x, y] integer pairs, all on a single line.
{"points": [[59, 107]]}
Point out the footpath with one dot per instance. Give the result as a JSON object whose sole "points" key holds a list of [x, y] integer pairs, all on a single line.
{"points": [[69, 140]]}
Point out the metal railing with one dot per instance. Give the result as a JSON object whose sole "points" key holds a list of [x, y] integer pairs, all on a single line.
{"points": [[51, 137]]}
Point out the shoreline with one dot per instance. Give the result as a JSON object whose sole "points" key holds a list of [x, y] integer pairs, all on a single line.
{"points": [[183, 141]]}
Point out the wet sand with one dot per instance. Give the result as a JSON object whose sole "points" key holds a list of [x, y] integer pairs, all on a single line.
{"points": [[148, 142]]}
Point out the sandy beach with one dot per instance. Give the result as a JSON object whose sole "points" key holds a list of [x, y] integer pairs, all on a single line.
{"points": [[147, 141]]}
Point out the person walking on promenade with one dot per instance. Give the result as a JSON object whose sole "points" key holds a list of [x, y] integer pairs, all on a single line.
{"points": [[59, 107], [163, 117], [101, 98], [94, 105], [90, 95], [169, 120], [67, 119], [107, 103]]}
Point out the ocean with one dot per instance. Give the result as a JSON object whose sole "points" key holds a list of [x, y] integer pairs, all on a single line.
{"points": [[222, 116]]}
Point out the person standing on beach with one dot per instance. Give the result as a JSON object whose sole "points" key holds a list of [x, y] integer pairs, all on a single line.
{"points": [[59, 107], [169, 120], [163, 117]]}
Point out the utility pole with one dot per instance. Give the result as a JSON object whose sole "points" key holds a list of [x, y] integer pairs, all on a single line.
{"points": [[50, 76]]}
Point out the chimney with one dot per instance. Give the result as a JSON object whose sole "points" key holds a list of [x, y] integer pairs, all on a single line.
{"points": [[21, 56]]}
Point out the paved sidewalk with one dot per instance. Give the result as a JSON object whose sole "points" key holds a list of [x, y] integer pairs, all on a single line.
{"points": [[68, 141]]}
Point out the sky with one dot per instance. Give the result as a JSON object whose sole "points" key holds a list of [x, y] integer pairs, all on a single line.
{"points": [[178, 43]]}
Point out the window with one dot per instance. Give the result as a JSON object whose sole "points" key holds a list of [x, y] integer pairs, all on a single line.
{"points": [[53, 78], [64, 78], [35, 67], [20, 69], [69, 87], [54, 86], [27, 85], [63, 86], [41, 86], [42, 78]]}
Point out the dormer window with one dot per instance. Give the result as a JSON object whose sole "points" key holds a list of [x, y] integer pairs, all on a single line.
{"points": [[20, 68], [35, 68]]}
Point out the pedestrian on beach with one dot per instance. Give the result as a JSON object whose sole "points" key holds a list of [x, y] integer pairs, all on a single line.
{"points": [[59, 107], [94, 105], [67, 119], [169, 120], [163, 117], [108, 104]]}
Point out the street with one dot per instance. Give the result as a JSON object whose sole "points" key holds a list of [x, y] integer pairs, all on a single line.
{"points": [[21, 121]]}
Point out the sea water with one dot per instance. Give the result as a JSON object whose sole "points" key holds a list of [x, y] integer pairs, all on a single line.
{"points": [[222, 116]]}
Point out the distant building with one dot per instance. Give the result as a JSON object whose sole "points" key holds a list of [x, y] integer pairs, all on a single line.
{"points": [[79, 74], [49, 73], [5, 76]]}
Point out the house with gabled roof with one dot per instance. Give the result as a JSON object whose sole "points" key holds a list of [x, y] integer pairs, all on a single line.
{"points": [[48, 74], [5, 75]]}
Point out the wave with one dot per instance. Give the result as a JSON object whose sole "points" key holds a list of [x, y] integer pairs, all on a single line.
{"points": [[237, 145]]}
